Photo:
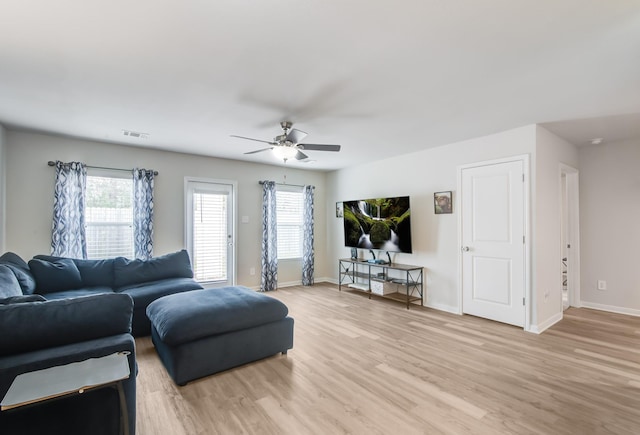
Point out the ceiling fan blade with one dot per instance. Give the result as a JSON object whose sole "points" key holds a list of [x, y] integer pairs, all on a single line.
{"points": [[301, 156], [296, 136], [256, 140], [319, 147], [259, 151]]}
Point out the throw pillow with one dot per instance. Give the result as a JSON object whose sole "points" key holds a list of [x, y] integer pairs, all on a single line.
{"points": [[21, 270], [56, 275], [9, 285]]}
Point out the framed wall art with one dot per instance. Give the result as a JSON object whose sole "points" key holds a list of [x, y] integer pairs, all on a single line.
{"points": [[442, 202]]}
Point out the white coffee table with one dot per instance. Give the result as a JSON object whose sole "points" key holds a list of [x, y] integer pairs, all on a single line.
{"points": [[74, 378]]}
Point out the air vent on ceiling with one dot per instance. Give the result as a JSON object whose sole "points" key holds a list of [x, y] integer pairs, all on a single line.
{"points": [[135, 134]]}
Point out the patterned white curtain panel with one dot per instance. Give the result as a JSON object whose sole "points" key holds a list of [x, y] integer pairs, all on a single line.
{"points": [[307, 236], [143, 213], [269, 261], [68, 237]]}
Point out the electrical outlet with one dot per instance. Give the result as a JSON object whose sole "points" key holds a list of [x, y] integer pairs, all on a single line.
{"points": [[602, 285], [252, 271]]}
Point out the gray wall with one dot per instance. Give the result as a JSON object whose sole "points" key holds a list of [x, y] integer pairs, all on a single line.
{"points": [[434, 237], [30, 183], [609, 225], [551, 151], [609, 207]]}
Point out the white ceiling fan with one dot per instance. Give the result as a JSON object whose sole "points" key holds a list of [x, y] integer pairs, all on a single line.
{"points": [[287, 145]]}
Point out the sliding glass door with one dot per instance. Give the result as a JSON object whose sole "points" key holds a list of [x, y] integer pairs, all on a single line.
{"points": [[210, 237]]}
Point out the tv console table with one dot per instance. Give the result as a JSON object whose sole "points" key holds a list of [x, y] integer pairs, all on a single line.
{"points": [[376, 277]]}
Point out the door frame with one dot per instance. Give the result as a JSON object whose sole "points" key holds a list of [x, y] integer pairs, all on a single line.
{"points": [[573, 231], [232, 221], [524, 159]]}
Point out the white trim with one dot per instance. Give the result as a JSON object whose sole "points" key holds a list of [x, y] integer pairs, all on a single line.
{"points": [[232, 223], [526, 170], [443, 307], [110, 173], [541, 327], [289, 188], [254, 288], [3, 189], [440, 307], [573, 232], [289, 284], [611, 308], [329, 280]]}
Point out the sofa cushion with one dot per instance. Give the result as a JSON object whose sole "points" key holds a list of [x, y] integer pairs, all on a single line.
{"points": [[9, 285], [184, 317], [129, 272], [52, 276], [39, 325], [22, 299], [96, 273], [144, 294], [21, 270], [84, 291]]}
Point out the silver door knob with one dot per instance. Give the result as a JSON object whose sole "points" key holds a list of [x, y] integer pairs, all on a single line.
{"points": [[465, 248]]}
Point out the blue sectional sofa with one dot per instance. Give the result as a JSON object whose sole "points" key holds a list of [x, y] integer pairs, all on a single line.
{"points": [[37, 334], [57, 278], [55, 311]]}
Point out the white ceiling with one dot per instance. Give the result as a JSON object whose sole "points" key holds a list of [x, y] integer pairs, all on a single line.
{"points": [[378, 77]]}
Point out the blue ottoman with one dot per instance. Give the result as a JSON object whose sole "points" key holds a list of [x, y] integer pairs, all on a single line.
{"points": [[201, 332]]}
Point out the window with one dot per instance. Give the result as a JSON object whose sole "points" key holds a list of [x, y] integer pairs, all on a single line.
{"points": [[289, 206], [109, 217], [209, 230]]}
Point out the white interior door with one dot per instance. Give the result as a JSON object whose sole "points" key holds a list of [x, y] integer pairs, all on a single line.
{"points": [[493, 246]]}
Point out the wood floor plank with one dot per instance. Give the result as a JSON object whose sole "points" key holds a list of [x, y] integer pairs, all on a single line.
{"points": [[370, 366]]}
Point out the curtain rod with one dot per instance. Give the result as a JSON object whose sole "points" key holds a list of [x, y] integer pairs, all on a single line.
{"points": [[281, 184], [52, 163]]}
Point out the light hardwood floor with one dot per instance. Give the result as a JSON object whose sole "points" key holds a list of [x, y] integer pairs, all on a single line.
{"points": [[363, 366]]}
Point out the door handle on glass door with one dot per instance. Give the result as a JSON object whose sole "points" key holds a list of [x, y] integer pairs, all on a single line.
{"points": [[465, 249]]}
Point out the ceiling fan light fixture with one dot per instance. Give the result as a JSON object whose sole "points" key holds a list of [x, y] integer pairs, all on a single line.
{"points": [[285, 152], [289, 145]]}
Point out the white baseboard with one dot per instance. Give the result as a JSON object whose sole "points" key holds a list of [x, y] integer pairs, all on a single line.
{"points": [[541, 327], [288, 283], [442, 307], [611, 308], [435, 306]]}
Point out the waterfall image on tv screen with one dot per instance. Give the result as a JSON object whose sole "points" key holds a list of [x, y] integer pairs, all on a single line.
{"points": [[380, 223]]}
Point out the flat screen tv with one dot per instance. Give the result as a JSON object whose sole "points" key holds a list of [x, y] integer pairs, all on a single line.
{"points": [[378, 223]]}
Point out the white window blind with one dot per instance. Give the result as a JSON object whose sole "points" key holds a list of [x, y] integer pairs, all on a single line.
{"points": [[109, 217], [210, 234], [289, 206]]}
